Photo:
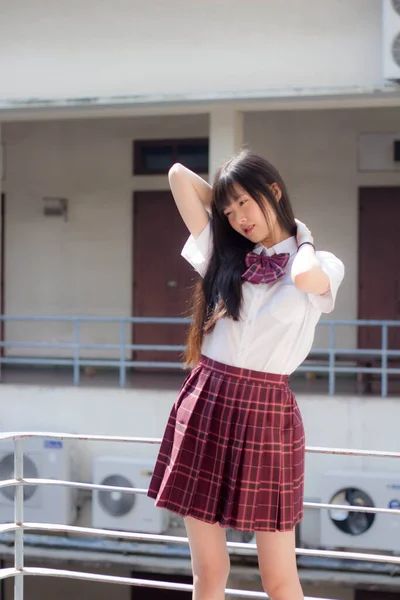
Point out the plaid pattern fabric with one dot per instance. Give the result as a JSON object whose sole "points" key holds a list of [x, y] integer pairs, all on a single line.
{"points": [[233, 450], [264, 269]]}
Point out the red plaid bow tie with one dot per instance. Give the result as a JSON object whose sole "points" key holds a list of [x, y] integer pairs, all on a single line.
{"points": [[264, 269]]}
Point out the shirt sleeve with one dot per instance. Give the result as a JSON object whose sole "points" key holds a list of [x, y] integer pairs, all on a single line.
{"points": [[197, 251], [334, 268]]}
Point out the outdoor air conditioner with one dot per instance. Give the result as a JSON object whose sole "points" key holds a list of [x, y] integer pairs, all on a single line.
{"points": [[122, 511], [43, 459], [310, 526], [391, 39], [341, 528]]}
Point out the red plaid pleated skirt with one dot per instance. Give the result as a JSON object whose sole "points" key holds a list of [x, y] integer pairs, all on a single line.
{"points": [[233, 450]]}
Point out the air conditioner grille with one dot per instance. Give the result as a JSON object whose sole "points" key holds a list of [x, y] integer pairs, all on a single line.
{"points": [[396, 6], [7, 472], [353, 523], [396, 49], [117, 503]]}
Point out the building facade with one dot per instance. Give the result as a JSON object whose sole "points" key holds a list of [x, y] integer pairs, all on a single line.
{"points": [[95, 99]]}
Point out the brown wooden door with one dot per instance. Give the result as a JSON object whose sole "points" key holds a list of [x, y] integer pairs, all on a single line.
{"points": [[162, 279], [379, 266]]}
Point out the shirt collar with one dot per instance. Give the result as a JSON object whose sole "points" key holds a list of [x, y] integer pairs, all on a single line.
{"points": [[287, 246]]}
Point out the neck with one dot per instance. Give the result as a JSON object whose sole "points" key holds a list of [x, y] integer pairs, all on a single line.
{"points": [[277, 237]]}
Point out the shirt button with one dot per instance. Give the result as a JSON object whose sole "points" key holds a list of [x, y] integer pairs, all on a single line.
{"points": [[249, 322]]}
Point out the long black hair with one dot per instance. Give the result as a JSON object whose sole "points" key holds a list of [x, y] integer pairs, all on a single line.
{"points": [[219, 294]]}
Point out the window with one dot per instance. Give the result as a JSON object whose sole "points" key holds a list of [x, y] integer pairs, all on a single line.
{"points": [[155, 157]]}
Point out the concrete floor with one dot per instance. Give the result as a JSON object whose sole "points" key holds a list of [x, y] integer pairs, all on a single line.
{"points": [[90, 377]]}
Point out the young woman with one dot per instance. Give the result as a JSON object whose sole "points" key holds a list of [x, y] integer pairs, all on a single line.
{"points": [[233, 449]]}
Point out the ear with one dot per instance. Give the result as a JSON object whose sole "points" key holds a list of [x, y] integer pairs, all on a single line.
{"points": [[276, 190]]}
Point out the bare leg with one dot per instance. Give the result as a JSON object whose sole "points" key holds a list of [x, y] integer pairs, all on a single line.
{"points": [[277, 562], [210, 559]]}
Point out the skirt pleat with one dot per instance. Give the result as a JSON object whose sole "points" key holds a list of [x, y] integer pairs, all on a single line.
{"points": [[233, 450]]}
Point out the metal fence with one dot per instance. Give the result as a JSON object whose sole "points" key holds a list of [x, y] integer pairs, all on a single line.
{"points": [[332, 360], [19, 570]]}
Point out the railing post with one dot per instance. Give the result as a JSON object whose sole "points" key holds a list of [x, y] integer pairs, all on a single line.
{"points": [[332, 359], [122, 366], [19, 519], [76, 352], [384, 362]]}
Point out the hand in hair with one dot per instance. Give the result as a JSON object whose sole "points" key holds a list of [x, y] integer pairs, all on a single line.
{"points": [[307, 274], [303, 234]]}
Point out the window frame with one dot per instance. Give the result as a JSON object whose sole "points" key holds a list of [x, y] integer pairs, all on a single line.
{"points": [[139, 167]]}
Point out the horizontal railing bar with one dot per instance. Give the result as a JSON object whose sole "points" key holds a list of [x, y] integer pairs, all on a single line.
{"points": [[143, 491], [346, 507], [156, 347], [37, 361], [147, 537], [348, 452], [371, 352], [177, 320], [176, 347], [141, 440], [351, 351], [7, 573], [360, 322], [87, 346], [327, 369], [7, 527], [77, 436], [79, 485], [139, 582], [179, 365], [173, 348], [85, 362], [159, 364], [8, 482], [80, 319]]}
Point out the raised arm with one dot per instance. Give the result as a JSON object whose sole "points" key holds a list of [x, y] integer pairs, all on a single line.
{"points": [[192, 196], [307, 273]]}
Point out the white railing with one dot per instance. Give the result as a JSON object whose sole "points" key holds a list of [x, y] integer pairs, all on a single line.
{"points": [[19, 526]]}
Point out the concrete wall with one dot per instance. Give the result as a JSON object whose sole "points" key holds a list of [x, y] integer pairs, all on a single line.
{"points": [[134, 47]]}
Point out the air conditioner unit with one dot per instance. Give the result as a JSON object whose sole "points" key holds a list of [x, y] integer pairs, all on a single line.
{"points": [[391, 39], [43, 459], [310, 526], [362, 530], [123, 511]]}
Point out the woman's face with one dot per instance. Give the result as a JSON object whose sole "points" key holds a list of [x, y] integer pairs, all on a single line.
{"points": [[247, 218]]}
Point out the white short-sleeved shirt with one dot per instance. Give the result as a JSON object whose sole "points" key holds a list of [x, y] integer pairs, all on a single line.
{"points": [[277, 325]]}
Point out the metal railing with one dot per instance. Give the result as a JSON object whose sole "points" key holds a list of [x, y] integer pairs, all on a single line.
{"points": [[19, 526], [337, 360]]}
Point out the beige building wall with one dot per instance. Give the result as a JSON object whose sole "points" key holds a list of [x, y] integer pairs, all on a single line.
{"points": [[135, 48], [318, 155], [83, 266]]}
